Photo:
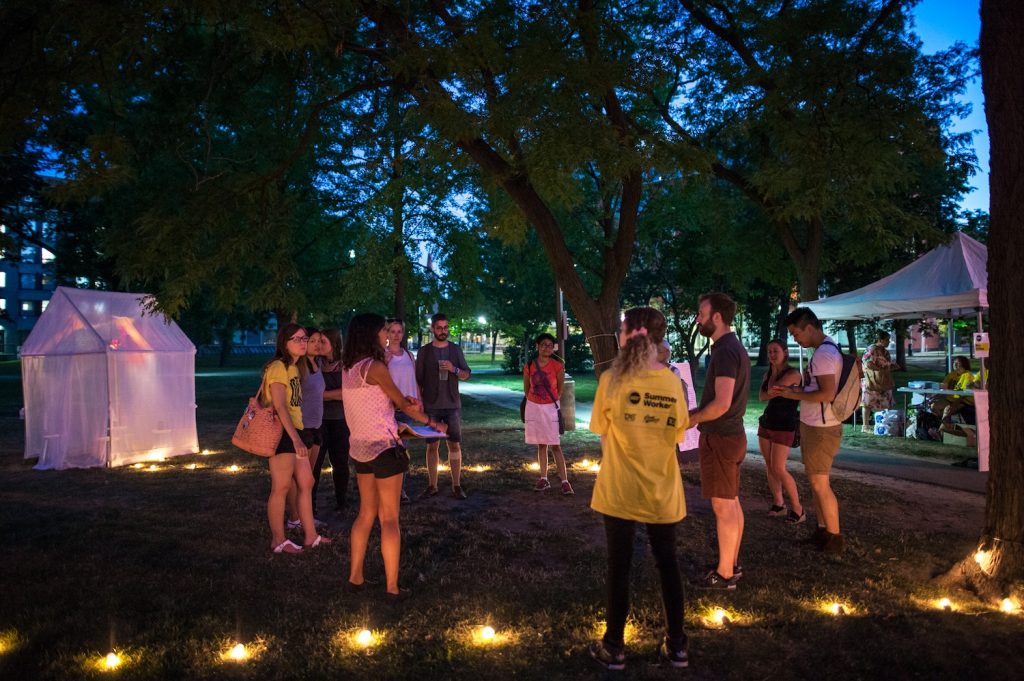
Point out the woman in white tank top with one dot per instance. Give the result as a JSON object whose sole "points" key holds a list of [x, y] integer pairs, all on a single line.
{"points": [[370, 398]]}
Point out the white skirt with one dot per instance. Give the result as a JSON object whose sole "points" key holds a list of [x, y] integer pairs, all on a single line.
{"points": [[541, 424]]}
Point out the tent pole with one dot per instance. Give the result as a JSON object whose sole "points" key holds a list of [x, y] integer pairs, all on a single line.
{"points": [[949, 341], [984, 374]]}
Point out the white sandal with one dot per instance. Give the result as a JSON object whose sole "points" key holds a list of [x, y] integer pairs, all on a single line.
{"points": [[288, 546], [318, 541]]}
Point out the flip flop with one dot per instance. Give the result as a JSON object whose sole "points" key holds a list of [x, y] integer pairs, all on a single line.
{"points": [[317, 542], [288, 546]]}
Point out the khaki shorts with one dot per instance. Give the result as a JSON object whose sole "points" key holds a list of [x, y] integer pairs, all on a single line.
{"points": [[819, 446], [720, 459]]}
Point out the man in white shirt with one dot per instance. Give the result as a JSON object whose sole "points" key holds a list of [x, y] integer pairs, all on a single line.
{"points": [[820, 431]]}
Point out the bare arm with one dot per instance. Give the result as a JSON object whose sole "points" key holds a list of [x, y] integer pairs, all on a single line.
{"points": [[826, 391], [723, 398], [279, 395], [560, 382], [790, 377], [526, 379], [332, 395]]}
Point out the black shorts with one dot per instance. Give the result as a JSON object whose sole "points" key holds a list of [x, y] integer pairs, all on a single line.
{"points": [[453, 417], [310, 437], [388, 463]]}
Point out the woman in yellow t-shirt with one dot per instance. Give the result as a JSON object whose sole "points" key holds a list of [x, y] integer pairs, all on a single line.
{"points": [[282, 387], [640, 413]]}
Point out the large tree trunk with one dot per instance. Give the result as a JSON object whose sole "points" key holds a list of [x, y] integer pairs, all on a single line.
{"points": [[901, 326], [1000, 568], [851, 338]]}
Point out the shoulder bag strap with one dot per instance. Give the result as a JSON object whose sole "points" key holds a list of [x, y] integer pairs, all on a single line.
{"points": [[544, 384]]}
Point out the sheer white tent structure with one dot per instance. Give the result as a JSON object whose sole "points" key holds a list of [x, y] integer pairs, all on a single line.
{"points": [[106, 385]]}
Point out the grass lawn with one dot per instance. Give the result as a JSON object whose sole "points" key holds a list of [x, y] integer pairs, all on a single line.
{"points": [[172, 567]]}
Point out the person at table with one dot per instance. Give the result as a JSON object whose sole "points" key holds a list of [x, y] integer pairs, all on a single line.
{"points": [[938, 403], [964, 406]]}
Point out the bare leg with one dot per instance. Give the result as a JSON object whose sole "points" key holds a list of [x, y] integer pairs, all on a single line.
{"points": [[729, 525], [455, 462], [359, 535], [389, 492], [780, 454], [559, 462], [303, 477], [292, 504], [774, 484], [542, 460], [432, 458], [825, 501], [866, 425], [282, 467]]}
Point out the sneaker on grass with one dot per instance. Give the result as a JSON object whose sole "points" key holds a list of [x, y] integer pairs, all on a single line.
{"points": [[737, 571], [542, 485], [612, 659], [834, 544], [567, 489], [713, 580], [677, 656], [774, 511]]}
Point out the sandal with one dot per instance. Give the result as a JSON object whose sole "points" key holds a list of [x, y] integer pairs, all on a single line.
{"points": [[317, 542], [287, 546]]}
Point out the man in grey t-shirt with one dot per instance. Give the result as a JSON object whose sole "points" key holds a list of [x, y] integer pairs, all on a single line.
{"points": [[440, 366]]}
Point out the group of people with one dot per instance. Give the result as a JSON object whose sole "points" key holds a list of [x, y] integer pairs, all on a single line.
{"points": [[339, 402], [640, 411], [345, 401]]}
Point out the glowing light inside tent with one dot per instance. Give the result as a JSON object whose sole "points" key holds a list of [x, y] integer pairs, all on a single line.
{"points": [[1009, 606]]}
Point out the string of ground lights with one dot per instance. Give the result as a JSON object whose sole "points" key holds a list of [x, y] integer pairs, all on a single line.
{"points": [[707, 615]]}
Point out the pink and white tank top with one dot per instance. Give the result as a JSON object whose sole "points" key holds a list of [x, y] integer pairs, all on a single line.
{"points": [[369, 413]]}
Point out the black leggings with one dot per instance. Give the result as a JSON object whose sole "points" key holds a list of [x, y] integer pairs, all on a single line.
{"points": [[620, 534], [335, 446]]}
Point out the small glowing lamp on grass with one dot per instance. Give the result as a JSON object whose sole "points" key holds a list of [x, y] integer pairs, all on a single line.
{"points": [[205, 452], [443, 467], [136, 465], [486, 635], [233, 468], [718, 617], [238, 653], [837, 608], [533, 466], [365, 638], [191, 467], [944, 604], [111, 661], [479, 468], [153, 467], [1009, 606]]}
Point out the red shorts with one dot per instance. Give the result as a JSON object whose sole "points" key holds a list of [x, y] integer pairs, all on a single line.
{"points": [[720, 459], [779, 437]]}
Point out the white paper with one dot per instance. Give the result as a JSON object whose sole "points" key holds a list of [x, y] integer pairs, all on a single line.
{"points": [[691, 436]]}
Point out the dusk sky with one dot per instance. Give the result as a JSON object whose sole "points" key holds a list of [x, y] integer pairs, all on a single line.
{"points": [[940, 23]]}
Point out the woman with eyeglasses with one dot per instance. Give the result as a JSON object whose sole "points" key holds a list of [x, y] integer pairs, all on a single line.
{"points": [[402, 367], [370, 397], [282, 387]]}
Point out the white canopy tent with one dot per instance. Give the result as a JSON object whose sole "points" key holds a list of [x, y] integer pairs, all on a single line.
{"points": [[106, 385], [950, 281]]}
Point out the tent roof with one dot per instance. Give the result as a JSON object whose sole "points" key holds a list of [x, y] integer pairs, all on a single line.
{"points": [[951, 280], [79, 321]]}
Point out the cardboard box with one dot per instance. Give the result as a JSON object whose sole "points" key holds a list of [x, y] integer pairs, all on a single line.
{"points": [[951, 439]]}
